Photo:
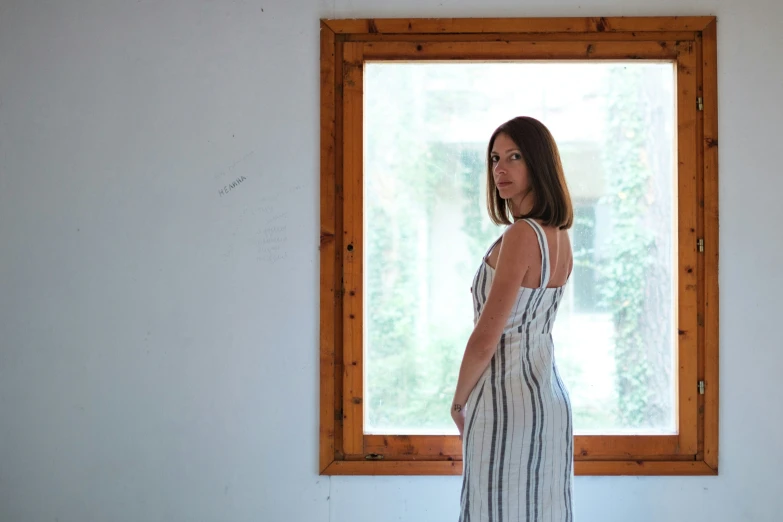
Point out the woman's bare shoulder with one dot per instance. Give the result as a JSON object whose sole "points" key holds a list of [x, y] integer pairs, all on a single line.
{"points": [[521, 236]]}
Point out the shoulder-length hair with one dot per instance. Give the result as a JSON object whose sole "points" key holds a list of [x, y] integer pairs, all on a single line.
{"points": [[552, 204]]}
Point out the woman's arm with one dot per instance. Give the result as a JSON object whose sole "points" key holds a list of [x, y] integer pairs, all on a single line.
{"points": [[518, 249]]}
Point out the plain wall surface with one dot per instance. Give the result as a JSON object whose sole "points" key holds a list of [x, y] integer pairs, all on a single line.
{"points": [[159, 339]]}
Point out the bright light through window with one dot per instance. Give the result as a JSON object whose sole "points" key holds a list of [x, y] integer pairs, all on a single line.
{"points": [[426, 128]]}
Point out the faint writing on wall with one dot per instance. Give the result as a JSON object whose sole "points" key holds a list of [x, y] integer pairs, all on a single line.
{"points": [[230, 168], [271, 243], [234, 184]]}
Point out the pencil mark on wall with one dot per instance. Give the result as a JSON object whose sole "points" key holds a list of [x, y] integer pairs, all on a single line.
{"points": [[226, 171], [231, 186], [271, 243], [266, 205], [231, 171], [277, 217]]}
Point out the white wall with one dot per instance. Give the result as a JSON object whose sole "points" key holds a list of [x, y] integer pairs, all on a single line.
{"points": [[158, 356]]}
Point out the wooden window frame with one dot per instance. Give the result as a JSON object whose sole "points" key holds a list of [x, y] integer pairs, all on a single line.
{"points": [[345, 44]]}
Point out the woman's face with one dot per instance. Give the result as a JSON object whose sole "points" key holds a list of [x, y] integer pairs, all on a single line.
{"points": [[509, 170]]}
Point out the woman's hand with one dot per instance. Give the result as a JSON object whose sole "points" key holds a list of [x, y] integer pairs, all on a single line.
{"points": [[458, 416]]}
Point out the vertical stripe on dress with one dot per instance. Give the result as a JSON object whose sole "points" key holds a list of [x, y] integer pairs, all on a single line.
{"points": [[467, 465], [536, 447], [504, 436], [537, 407], [569, 452], [534, 459], [493, 444], [530, 299]]}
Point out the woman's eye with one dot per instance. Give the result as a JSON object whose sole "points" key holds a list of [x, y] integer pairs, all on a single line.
{"points": [[494, 159], [516, 156]]}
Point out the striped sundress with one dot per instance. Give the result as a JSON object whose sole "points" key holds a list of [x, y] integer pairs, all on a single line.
{"points": [[517, 445]]}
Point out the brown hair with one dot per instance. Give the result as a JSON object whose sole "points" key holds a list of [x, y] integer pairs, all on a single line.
{"points": [[547, 182]]}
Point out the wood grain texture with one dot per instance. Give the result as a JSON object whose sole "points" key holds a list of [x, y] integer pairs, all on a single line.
{"points": [[338, 249], [687, 231], [514, 50], [524, 37], [353, 341], [394, 467], [700, 256], [405, 446], [327, 250], [605, 468], [517, 25], [625, 447], [711, 247], [649, 467]]}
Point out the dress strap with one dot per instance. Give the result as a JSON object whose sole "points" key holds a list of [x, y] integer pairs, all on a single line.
{"points": [[544, 246]]}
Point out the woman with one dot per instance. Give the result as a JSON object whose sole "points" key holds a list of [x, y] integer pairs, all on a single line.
{"points": [[510, 406]]}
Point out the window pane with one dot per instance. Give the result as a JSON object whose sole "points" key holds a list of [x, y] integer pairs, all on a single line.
{"points": [[426, 228]]}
